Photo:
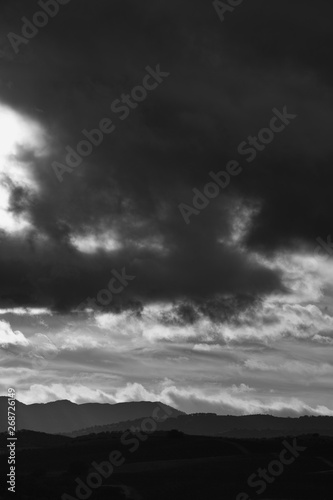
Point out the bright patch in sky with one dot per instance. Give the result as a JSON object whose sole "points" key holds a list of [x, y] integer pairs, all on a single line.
{"points": [[92, 243], [16, 132]]}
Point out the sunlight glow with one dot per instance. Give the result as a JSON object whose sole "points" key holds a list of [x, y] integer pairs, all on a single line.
{"points": [[17, 133], [92, 243]]}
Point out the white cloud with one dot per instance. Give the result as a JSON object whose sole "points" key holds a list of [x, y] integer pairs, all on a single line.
{"points": [[232, 400], [9, 337], [241, 388], [292, 367], [278, 320], [92, 243], [271, 322], [26, 311], [207, 347], [39, 393], [16, 131]]}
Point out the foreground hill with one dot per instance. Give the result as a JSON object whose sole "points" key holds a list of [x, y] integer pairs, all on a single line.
{"points": [[32, 439], [173, 466], [64, 416]]}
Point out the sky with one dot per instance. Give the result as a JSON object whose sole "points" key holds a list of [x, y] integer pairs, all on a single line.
{"points": [[227, 309]]}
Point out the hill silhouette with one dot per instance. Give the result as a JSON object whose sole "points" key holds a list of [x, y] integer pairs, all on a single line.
{"points": [[61, 417], [246, 426], [65, 417], [33, 439]]}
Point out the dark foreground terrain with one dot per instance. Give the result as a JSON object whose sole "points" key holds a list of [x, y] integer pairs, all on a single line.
{"points": [[170, 466]]}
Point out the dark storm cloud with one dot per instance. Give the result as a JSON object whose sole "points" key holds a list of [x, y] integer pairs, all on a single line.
{"points": [[225, 78]]}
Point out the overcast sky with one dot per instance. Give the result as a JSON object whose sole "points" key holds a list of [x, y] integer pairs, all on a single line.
{"points": [[229, 313]]}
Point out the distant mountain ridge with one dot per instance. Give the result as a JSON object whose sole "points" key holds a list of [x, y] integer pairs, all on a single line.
{"points": [[61, 417], [65, 417], [249, 425], [246, 426]]}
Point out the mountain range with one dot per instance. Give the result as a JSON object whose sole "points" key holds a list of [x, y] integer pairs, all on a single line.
{"points": [[65, 417], [60, 417], [229, 426]]}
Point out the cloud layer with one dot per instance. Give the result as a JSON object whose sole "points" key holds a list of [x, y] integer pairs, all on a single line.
{"points": [[238, 286]]}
